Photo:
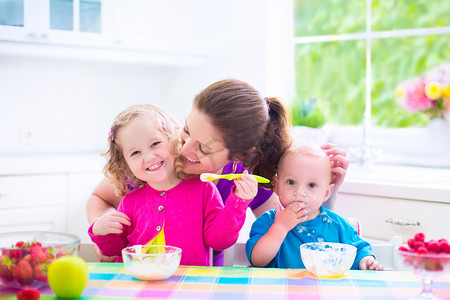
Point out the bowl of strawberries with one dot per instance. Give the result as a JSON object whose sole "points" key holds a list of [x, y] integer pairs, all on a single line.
{"points": [[426, 258], [26, 255]]}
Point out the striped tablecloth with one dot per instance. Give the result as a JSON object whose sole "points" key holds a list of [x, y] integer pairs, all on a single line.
{"points": [[112, 281]]}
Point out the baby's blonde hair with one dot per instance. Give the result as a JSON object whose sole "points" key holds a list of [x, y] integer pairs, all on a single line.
{"points": [[306, 148], [116, 168]]}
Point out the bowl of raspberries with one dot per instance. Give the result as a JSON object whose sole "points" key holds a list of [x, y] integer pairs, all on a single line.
{"points": [[26, 255], [426, 258]]}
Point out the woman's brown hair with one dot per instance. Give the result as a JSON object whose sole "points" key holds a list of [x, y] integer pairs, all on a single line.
{"points": [[116, 168], [254, 129]]}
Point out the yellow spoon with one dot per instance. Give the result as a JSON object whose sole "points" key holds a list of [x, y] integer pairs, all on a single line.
{"points": [[212, 176]]}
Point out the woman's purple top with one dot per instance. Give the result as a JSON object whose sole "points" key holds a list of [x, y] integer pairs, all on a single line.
{"points": [[224, 186]]}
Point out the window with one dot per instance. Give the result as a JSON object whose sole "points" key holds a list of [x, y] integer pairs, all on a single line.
{"points": [[351, 55]]}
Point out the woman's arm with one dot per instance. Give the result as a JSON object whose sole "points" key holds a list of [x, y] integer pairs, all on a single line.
{"points": [[267, 205], [102, 200]]}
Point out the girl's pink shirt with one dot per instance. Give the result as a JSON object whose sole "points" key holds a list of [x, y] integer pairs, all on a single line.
{"points": [[192, 214]]}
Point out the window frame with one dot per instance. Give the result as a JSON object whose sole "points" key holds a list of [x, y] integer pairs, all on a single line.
{"points": [[368, 131]]}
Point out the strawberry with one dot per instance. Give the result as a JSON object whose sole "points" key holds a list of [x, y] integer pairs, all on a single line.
{"points": [[19, 244], [37, 270], [29, 294], [38, 255], [419, 237], [23, 271], [15, 254], [35, 244], [6, 273]]}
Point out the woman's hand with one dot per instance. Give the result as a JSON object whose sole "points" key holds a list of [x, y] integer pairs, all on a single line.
{"points": [[110, 222], [246, 186], [339, 163], [292, 215]]}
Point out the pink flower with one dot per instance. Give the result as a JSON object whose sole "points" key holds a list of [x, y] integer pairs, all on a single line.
{"points": [[415, 97]]}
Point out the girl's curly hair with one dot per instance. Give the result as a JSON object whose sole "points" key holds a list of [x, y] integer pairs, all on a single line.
{"points": [[116, 168]]}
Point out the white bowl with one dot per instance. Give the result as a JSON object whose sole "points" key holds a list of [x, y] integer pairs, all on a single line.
{"points": [[151, 262], [327, 259]]}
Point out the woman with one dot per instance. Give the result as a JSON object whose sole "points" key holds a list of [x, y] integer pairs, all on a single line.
{"points": [[230, 127]]}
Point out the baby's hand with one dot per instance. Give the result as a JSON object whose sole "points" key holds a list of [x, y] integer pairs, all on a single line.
{"points": [[246, 186], [369, 263], [289, 217], [110, 222]]}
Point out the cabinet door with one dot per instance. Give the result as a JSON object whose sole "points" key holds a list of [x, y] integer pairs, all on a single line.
{"points": [[74, 22], [32, 219], [169, 26], [375, 213], [59, 22], [80, 188], [32, 191], [18, 20]]}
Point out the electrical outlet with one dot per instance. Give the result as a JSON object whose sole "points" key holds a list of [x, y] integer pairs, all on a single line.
{"points": [[27, 135]]}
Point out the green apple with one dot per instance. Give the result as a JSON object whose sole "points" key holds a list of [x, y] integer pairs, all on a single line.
{"points": [[68, 276]]}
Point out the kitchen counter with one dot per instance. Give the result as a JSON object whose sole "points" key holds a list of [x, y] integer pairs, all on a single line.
{"points": [[415, 183], [50, 163]]}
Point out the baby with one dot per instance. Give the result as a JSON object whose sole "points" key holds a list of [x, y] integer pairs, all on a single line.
{"points": [[303, 183]]}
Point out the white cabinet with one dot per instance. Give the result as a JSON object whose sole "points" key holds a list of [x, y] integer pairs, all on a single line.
{"points": [[79, 189], [33, 202], [395, 200], [168, 33], [48, 192], [54, 22], [383, 217], [170, 26]]}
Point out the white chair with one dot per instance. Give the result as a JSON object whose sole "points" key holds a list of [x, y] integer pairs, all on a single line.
{"points": [[87, 252], [235, 256], [386, 253]]}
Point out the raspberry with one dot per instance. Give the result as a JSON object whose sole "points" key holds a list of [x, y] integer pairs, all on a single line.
{"points": [[433, 246], [404, 249], [421, 250], [29, 294], [411, 243], [417, 245], [444, 247], [420, 237]]}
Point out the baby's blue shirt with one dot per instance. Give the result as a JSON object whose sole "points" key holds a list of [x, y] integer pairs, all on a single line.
{"points": [[326, 227]]}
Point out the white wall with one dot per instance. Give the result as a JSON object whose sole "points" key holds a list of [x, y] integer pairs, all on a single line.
{"points": [[60, 105]]}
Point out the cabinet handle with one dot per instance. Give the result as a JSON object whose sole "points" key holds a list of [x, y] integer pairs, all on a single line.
{"points": [[402, 222]]}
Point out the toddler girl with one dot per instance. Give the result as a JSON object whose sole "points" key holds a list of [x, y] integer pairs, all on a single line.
{"points": [[303, 183], [144, 165]]}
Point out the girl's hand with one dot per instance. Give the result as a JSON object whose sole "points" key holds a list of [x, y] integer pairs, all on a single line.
{"points": [[369, 263], [339, 163], [246, 186], [110, 222], [294, 214]]}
